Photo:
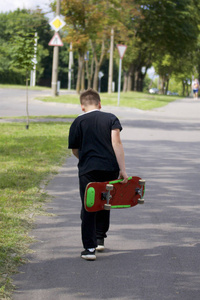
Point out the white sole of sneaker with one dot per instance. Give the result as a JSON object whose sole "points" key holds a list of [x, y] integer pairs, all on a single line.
{"points": [[100, 248], [89, 257]]}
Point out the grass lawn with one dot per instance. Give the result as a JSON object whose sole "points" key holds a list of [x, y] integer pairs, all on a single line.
{"points": [[39, 118], [139, 100], [143, 101], [17, 86], [27, 158]]}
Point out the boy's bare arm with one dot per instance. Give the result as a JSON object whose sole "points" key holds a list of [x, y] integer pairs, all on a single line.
{"points": [[75, 152], [119, 152]]}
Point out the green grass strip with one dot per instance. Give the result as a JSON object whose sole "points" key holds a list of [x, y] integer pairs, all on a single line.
{"points": [[27, 158], [139, 100], [19, 86]]}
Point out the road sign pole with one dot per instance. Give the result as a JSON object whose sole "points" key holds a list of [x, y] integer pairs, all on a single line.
{"points": [[55, 71], [119, 80], [100, 75], [33, 72], [55, 60], [70, 67], [121, 50], [110, 73]]}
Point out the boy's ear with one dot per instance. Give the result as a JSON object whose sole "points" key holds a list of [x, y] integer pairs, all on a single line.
{"points": [[82, 107], [99, 105]]}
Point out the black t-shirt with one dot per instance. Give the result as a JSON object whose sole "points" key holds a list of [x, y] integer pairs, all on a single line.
{"points": [[90, 133]]}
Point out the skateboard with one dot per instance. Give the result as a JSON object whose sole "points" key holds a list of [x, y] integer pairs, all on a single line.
{"points": [[114, 194]]}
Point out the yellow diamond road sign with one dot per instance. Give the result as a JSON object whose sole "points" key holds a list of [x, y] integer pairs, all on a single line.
{"points": [[57, 23]]}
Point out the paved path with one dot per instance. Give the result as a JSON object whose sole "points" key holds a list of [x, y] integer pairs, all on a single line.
{"points": [[152, 251]]}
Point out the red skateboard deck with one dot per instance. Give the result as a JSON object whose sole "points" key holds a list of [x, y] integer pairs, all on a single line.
{"points": [[113, 194]]}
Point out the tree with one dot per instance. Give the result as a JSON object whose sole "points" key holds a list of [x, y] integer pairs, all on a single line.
{"points": [[156, 31], [171, 30], [23, 54], [24, 21], [75, 13], [138, 54], [88, 26]]}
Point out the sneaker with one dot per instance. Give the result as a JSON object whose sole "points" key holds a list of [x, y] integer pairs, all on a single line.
{"points": [[100, 245], [88, 255]]}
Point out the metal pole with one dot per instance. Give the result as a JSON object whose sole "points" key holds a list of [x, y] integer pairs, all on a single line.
{"points": [[33, 72], [35, 60], [99, 89], [110, 76], [27, 112], [55, 60], [70, 67], [55, 71], [119, 80]]}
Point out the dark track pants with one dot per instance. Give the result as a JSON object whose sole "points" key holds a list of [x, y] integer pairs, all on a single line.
{"points": [[94, 224]]}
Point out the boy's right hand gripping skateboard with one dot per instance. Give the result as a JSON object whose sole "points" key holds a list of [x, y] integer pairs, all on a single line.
{"points": [[114, 194]]}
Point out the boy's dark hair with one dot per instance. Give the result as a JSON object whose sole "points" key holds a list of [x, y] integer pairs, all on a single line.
{"points": [[90, 97]]}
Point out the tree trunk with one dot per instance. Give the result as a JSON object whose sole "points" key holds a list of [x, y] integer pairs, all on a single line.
{"points": [[188, 93], [90, 73], [83, 77], [183, 88], [80, 71], [167, 86], [136, 81], [129, 82], [139, 82], [140, 88], [125, 85], [97, 63], [142, 77], [162, 85], [96, 73], [130, 78]]}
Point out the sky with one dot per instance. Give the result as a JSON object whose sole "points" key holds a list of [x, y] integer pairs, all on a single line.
{"points": [[11, 5]]}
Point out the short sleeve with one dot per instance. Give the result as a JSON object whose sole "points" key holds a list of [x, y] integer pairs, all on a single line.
{"points": [[116, 123], [74, 136]]}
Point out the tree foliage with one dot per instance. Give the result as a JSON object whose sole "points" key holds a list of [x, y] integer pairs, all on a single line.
{"points": [[13, 27], [22, 50], [88, 26], [170, 28], [160, 33]]}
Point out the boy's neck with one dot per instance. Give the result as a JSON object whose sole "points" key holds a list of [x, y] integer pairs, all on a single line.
{"points": [[90, 107]]}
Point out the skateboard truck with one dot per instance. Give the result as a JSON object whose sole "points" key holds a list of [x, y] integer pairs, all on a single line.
{"points": [[139, 191], [107, 196]]}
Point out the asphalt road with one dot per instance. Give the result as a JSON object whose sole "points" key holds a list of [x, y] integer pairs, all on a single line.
{"points": [[152, 250], [13, 104]]}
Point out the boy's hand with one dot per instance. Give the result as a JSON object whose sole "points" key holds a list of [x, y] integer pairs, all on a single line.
{"points": [[124, 176]]}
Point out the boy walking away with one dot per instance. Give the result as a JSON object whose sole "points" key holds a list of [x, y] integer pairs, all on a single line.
{"points": [[94, 138]]}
